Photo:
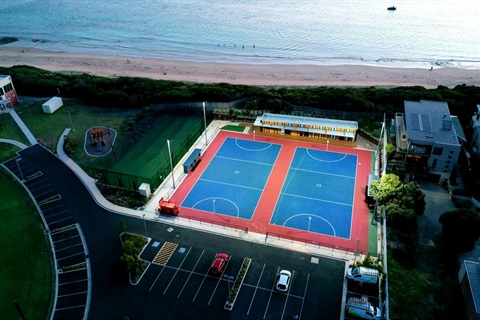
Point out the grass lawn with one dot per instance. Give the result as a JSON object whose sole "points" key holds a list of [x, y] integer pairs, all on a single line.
{"points": [[25, 259], [151, 152], [10, 130], [7, 151], [49, 127]]}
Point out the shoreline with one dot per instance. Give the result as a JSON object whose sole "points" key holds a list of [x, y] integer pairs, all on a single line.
{"points": [[270, 75]]}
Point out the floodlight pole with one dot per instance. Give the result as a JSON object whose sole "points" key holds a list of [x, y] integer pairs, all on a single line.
{"points": [[309, 221], [145, 225], [19, 169], [356, 251], [253, 135], [327, 145], [171, 162], [205, 121]]}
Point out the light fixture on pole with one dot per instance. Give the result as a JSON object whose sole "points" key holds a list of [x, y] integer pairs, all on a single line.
{"points": [[356, 251], [205, 121], [171, 162], [19, 169], [145, 225]]}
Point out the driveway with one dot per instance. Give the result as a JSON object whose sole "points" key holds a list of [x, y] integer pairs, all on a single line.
{"points": [[438, 202]]}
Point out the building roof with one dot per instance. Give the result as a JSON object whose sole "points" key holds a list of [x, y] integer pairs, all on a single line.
{"points": [[310, 121], [429, 122], [335, 127], [473, 271]]}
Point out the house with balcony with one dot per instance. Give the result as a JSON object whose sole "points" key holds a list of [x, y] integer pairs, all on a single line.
{"points": [[8, 95], [429, 138], [475, 127]]}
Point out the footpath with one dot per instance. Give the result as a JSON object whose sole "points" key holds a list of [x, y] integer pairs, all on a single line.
{"points": [[166, 189]]}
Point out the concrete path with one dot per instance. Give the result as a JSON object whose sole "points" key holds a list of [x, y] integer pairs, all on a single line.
{"points": [[23, 127], [14, 142]]}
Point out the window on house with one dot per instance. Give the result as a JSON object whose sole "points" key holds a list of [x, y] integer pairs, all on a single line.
{"points": [[8, 88], [451, 152], [434, 163], [437, 151]]}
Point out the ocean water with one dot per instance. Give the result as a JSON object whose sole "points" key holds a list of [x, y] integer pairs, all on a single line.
{"points": [[418, 33]]}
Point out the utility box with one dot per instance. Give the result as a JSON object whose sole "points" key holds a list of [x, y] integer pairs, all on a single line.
{"points": [[52, 105], [144, 190]]}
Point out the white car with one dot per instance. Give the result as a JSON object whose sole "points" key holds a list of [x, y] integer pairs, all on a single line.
{"points": [[283, 280]]}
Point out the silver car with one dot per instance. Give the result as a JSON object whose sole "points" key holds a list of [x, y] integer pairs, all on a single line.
{"points": [[283, 280]]}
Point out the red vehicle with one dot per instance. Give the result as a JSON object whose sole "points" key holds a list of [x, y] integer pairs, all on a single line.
{"points": [[167, 207], [219, 263]]}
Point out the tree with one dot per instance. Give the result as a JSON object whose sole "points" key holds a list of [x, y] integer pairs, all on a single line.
{"points": [[461, 228], [386, 189]]}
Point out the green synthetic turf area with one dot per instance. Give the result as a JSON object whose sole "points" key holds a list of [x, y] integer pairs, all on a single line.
{"points": [[151, 152], [230, 127], [25, 259]]}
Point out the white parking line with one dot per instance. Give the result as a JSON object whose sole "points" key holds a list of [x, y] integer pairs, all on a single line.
{"points": [[171, 280], [75, 245], [52, 208], [201, 284], [304, 295], [76, 281], [256, 287], [54, 214], [362, 294], [59, 220], [76, 236], [191, 272], [286, 300], [270, 298], [156, 278], [43, 186], [219, 279], [72, 255]]}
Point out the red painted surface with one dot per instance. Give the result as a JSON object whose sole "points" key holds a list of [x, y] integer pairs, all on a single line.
{"points": [[12, 96], [260, 222]]}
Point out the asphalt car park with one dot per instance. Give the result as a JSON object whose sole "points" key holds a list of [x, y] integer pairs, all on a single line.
{"points": [[186, 279], [179, 287], [365, 291]]}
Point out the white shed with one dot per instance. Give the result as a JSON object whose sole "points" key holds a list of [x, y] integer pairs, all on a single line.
{"points": [[52, 105]]}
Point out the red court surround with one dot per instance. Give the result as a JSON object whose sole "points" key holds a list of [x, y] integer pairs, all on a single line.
{"points": [[266, 205]]}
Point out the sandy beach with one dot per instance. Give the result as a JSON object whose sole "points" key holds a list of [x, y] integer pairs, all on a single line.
{"points": [[246, 74]]}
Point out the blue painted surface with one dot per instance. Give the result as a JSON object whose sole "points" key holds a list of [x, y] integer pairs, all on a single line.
{"points": [[235, 178], [318, 193]]}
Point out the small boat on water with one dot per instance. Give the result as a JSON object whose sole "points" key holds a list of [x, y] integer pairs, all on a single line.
{"points": [[392, 8]]}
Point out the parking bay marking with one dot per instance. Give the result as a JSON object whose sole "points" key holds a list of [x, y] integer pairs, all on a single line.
{"points": [[219, 279], [256, 287], [271, 292], [191, 272], [304, 294], [176, 271], [286, 300]]}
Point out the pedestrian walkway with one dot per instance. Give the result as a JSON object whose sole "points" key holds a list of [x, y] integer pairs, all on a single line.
{"points": [[14, 142], [22, 126]]}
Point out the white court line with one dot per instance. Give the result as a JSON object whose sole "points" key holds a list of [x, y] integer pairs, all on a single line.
{"points": [[173, 277], [218, 198], [303, 197], [231, 184], [271, 292], [321, 160], [243, 160], [191, 272], [255, 150], [256, 287], [325, 173], [311, 215]]}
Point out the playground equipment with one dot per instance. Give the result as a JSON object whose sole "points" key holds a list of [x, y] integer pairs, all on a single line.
{"points": [[167, 207], [96, 137]]}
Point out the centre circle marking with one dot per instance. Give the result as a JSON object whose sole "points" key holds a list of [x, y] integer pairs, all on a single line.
{"points": [[319, 185], [237, 172]]}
